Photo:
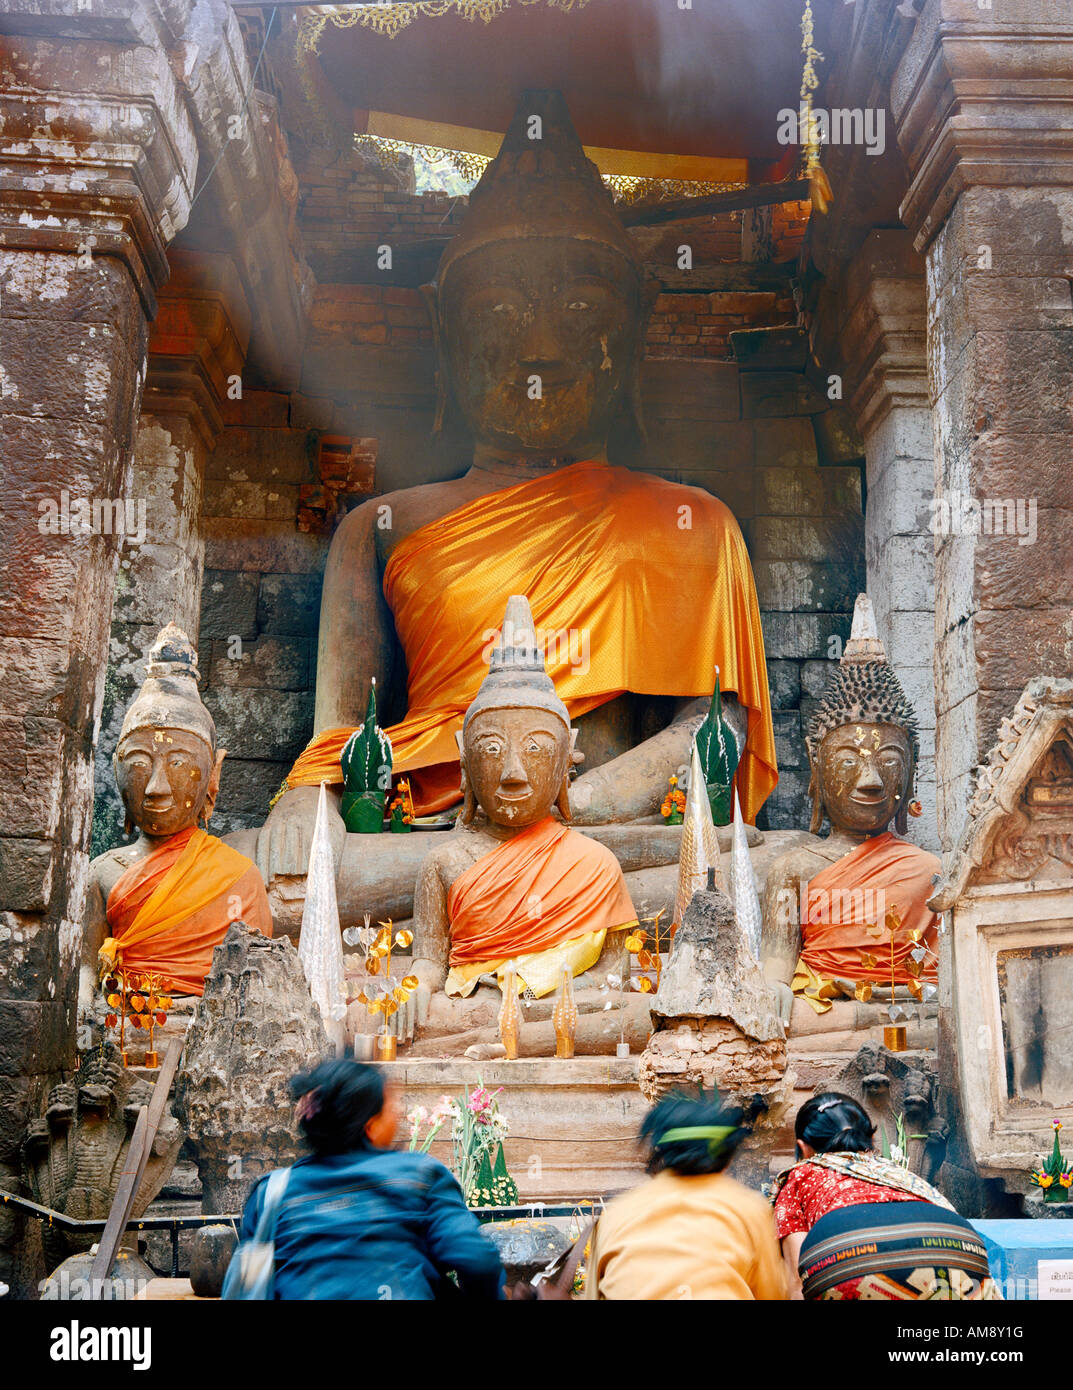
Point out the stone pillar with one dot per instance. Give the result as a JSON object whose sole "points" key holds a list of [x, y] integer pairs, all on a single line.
{"points": [[97, 157], [197, 346], [883, 337], [983, 100]]}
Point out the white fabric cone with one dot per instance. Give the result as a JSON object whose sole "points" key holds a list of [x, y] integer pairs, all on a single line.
{"points": [[743, 891], [700, 846], [320, 946]]}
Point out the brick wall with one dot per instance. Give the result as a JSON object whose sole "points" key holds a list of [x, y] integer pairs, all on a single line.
{"points": [[699, 325]]}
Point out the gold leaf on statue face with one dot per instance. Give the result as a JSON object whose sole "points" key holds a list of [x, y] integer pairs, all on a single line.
{"points": [[863, 992], [404, 939], [410, 982]]}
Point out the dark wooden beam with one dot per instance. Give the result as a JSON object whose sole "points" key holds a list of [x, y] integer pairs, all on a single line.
{"points": [[712, 204]]}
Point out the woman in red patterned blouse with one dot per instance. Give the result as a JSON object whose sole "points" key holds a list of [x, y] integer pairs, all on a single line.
{"points": [[855, 1225]]}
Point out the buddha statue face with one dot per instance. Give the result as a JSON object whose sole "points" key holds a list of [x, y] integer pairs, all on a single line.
{"points": [[864, 772], [540, 335], [515, 764], [168, 779]]}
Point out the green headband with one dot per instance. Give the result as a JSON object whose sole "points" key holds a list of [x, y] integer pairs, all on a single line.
{"points": [[715, 1134]]}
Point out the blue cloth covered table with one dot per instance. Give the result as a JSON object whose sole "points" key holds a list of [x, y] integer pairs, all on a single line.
{"points": [[1015, 1248]]}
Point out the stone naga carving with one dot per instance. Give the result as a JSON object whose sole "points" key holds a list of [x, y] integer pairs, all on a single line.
{"points": [[255, 1027], [74, 1154], [892, 1087]]}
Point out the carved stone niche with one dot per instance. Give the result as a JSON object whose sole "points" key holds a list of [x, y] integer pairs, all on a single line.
{"points": [[1008, 900]]}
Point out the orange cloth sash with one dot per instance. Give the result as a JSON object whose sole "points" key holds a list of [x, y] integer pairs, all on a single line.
{"points": [[170, 910], [637, 584], [546, 885], [884, 872]]}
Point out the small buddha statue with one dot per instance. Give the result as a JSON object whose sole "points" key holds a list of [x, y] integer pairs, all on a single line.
{"points": [[514, 894], [162, 904], [639, 586], [826, 902]]}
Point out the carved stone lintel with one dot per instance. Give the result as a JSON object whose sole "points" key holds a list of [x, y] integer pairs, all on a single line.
{"points": [[1004, 95]]}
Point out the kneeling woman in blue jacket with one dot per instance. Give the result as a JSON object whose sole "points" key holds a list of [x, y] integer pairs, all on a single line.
{"points": [[360, 1221]]}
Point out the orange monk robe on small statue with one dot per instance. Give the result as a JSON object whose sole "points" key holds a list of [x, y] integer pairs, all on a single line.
{"points": [[545, 899], [169, 911]]}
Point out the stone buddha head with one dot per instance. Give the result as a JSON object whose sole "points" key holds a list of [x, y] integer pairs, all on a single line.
{"points": [[863, 743], [166, 763], [537, 304], [516, 746]]}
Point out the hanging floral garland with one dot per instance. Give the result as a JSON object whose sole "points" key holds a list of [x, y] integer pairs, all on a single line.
{"points": [[808, 131]]}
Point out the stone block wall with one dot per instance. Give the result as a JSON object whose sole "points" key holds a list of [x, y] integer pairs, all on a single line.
{"points": [[260, 598]]}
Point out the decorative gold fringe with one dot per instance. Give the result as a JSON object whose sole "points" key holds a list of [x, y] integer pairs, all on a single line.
{"points": [[391, 19], [627, 188]]}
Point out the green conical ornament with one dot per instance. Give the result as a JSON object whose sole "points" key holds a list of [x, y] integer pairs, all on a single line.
{"points": [[717, 744], [480, 1194], [366, 764], [504, 1188]]}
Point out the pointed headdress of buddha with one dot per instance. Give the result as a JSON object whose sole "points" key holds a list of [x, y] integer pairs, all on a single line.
{"points": [[169, 702], [863, 691], [542, 277], [517, 680]]}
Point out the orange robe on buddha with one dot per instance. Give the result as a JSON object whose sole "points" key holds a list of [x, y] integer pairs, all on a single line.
{"points": [[168, 912], [637, 584], [884, 873], [545, 898]]}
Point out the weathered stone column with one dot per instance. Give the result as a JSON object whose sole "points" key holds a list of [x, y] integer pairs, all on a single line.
{"points": [[197, 346], [883, 337], [983, 101], [97, 157]]}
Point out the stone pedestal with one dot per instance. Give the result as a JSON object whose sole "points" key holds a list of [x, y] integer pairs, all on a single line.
{"points": [[573, 1122]]}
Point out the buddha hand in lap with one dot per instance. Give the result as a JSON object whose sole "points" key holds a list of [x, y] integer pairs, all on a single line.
{"points": [[511, 883], [821, 898], [538, 319], [162, 904]]}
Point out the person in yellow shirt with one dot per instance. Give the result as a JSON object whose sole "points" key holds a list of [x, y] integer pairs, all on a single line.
{"points": [[691, 1232]]}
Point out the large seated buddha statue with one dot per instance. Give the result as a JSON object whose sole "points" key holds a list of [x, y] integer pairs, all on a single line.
{"points": [[639, 587], [161, 905], [513, 885], [851, 909]]}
